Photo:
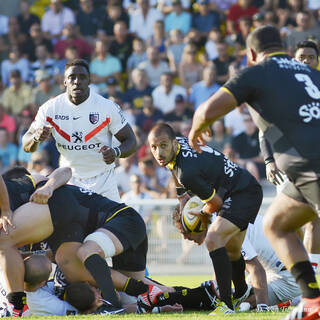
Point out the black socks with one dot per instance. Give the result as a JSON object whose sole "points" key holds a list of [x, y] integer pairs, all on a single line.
{"points": [[134, 287]]}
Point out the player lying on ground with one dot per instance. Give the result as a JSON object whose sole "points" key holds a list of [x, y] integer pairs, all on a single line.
{"points": [[224, 188], [66, 224]]}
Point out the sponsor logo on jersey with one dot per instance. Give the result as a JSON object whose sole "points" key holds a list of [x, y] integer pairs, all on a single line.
{"points": [[229, 167], [76, 118], [310, 111], [79, 147], [94, 117], [77, 136], [287, 63], [61, 117]]}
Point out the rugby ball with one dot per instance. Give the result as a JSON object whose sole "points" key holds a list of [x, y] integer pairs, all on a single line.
{"points": [[192, 223]]}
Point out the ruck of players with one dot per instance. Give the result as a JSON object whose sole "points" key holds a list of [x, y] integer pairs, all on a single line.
{"points": [[72, 243]]}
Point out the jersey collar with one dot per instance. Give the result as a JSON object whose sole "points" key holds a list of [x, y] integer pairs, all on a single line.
{"points": [[172, 163], [278, 53]]}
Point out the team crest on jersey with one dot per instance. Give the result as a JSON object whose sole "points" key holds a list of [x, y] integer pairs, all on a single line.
{"points": [[94, 117]]}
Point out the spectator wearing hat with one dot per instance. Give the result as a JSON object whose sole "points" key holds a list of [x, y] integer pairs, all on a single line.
{"points": [[113, 89], [18, 96], [178, 19], [164, 95], [143, 18], [258, 20], [8, 151], [104, 66], [202, 90], [180, 113], [55, 19], [45, 90], [149, 115], [7, 122], [205, 19], [140, 87]]}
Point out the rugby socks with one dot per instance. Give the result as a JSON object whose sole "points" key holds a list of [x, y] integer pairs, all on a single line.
{"points": [[238, 277], [100, 271], [18, 299], [314, 259], [223, 270], [304, 275], [135, 287]]}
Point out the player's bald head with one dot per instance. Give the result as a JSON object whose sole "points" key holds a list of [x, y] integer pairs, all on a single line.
{"points": [[160, 129], [265, 38], [37, 269]]}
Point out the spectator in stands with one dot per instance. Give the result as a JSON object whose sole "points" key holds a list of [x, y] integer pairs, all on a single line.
{"points": [[205, 19], [88, 19], [179, 114], [54, 20], [121, 46], [190, 70], [202, 90], [140, 87], [8, 151], [164, 95], [43, 62], [149, 115], [104, 66], [25, 18], [71, 53], [239, 40], [45, 90], [36, 38], [214, 37], [7, 122], [236, 11], [143, 19], [138, 55], [247, 147], [154, 67], [124, 171], [220, 138], [4, 48], [113, 89], [114, 12], [222, 63], [258, 20], [158, 38], [15, 36], [25, 120], [178, 19], [223, 5], [18, 96], [166, 6], [4, 24], [71, 38], [15, 62], [175, 49], [303, 31]]}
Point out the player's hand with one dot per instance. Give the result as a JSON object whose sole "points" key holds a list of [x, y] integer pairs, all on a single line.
{"points": [[183, 200], [196, 139], [174, 308], [108, 154], [6, 221], [42, 195], [43, 133], [205, 218], [274, 175]]}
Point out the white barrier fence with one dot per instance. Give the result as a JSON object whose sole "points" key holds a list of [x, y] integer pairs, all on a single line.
{"points": [[166, 245]]}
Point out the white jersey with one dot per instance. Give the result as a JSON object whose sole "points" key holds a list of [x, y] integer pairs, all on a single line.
{"points": [[256, 244], [81, 130], [4, 303], [43, 302]]}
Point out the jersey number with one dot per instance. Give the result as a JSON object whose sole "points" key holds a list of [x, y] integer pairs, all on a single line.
{"points": [[310, 87]]}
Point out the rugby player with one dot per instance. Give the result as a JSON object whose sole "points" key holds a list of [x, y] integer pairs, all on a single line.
{"points": [[224, 188], [284, 96], [83, 124], [65, 224]]}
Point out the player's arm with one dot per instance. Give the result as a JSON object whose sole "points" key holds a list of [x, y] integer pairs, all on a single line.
{"points": [[215, 107], [258, 279], [33, 137], [56, 179], [6, 213]]}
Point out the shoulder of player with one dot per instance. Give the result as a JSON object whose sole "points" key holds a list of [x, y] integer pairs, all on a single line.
{"points": [[54, 102]]}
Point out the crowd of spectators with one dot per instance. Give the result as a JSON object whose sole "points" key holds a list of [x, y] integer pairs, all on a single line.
{"points": [[159, 60]]}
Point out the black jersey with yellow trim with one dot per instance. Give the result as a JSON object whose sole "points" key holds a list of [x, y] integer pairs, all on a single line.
{"points": [[207, 173], [284, 99], [19, 190]]}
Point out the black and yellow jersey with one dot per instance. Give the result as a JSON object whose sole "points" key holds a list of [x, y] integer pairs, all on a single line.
{"points": [[206, 173], [284, 99]]}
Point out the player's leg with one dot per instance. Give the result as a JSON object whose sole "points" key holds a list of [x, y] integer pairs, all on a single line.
{"points": [[283, 218], [32, 224], [311, 242]]}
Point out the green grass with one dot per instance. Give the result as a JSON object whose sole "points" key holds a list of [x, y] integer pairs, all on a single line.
{"points": [[181, 280]]}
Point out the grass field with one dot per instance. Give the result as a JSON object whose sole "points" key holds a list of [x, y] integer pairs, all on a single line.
{"points": [[183, 280]]}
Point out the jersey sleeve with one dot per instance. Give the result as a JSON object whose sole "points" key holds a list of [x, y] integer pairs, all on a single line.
{"points": [[242, 86], [247, 250], [40, 119], [117, 119]]}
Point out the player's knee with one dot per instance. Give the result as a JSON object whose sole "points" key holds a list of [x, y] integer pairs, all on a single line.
{"points": [[270, 226], [214, 241], [97, 242]]}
